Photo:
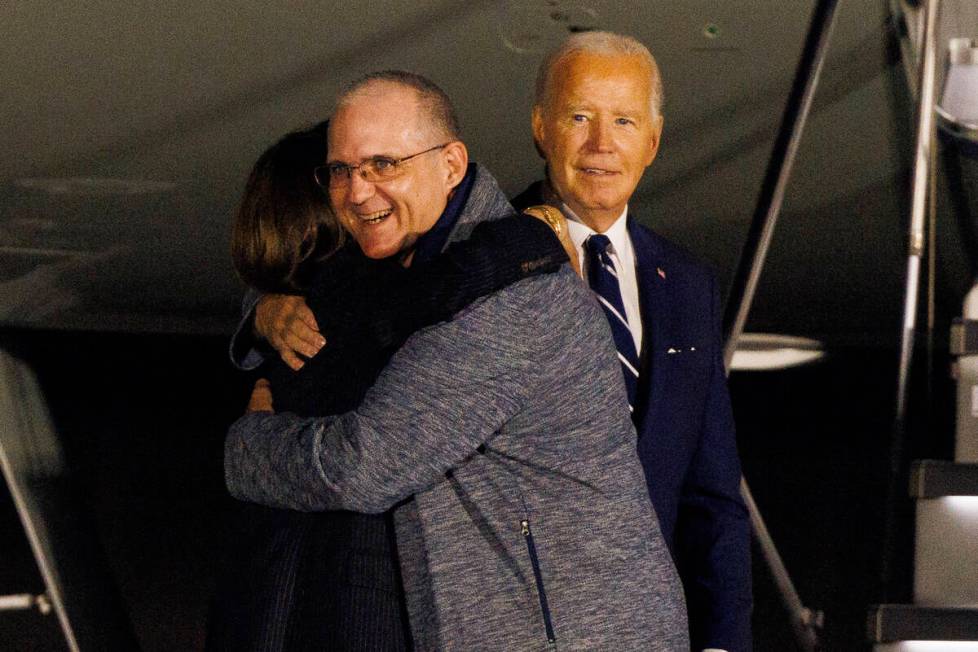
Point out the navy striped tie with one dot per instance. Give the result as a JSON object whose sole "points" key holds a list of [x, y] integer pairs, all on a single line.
{"points": [[603, 278]]}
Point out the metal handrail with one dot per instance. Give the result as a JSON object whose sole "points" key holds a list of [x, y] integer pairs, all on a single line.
{"points": [[805, 622], [923, 150]]}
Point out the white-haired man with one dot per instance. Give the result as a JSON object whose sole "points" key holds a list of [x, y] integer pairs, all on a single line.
{"points": [[597, 121]]}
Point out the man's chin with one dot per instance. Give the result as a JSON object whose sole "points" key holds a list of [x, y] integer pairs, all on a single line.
{"points": [[599, 202], [373, 249], [599, 193], [380, 249]]}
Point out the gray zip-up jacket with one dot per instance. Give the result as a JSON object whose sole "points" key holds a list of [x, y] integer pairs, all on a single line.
{"points": [[526, 523]]}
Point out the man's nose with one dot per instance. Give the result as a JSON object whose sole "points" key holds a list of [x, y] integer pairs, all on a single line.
{"points": [[600, 136], [360, 189]]}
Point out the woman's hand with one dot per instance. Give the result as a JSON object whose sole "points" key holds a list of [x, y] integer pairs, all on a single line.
{"points": [[261, 397], [556, 221], [288, 324]]}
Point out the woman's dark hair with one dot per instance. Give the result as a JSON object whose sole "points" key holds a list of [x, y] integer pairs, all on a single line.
{"points": [[284, 220]]}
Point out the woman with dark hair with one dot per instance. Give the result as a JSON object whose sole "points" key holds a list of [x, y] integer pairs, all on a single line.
{"points": [[330, 581], [284, 221]]}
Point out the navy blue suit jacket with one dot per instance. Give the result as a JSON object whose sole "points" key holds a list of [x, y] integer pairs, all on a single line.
{"points": [[686, 437]]}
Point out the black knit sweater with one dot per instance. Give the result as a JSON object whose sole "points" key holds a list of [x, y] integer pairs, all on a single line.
{"points": [[367, 308]]}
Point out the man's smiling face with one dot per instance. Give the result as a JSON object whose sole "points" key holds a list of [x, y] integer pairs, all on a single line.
{"points": [[387, 217], [597, 131]]}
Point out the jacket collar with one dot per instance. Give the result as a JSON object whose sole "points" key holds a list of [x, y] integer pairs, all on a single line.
{"points": [[432, 242], [654, 297], [485, 202]]}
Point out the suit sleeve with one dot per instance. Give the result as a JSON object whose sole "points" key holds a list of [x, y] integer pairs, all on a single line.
{"points": [[496, 254], [713, 529], [384, 305], [447, 391]]}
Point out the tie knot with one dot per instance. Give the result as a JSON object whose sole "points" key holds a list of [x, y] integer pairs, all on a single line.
{"points": [[598, 244]]}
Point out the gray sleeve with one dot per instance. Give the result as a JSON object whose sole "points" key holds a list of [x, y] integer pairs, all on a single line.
{"points": [[447, 391], [242, 349]]}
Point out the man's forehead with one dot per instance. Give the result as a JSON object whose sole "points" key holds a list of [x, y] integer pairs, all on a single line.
{"points": [[378, 122], [618, 68], [575, 76]]}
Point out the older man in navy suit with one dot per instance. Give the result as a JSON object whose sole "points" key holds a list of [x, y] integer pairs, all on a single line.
{"points": [[597, 121]]}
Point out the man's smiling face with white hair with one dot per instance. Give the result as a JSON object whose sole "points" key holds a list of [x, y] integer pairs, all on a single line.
{"points": [[597, 131]]}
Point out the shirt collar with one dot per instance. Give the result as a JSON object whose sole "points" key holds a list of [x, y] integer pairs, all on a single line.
{"points": [[617, 233]]}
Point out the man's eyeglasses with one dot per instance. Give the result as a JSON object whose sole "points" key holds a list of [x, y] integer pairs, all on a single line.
{"points": [[378, 168]]}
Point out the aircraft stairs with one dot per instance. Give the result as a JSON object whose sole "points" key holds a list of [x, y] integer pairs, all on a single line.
{"points": [[943, 614]]}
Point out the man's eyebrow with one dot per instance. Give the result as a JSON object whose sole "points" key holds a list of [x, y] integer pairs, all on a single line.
{"points": [[577, 105], [366, 158]]}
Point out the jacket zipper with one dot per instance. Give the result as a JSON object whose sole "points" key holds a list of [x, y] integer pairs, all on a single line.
{"points": [[535, 562]]}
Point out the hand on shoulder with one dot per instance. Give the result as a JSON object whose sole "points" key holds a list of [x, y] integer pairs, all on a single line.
{"points": [[556, 221]]}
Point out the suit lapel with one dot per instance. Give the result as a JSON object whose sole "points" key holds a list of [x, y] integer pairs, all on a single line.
{"points": [[653, 291]]}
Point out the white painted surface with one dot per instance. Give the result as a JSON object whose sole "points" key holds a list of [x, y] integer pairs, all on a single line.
{"points": [[946, 556], [928, 646]]}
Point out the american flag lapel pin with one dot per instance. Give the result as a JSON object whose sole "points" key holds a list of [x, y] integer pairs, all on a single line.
{"points": [[661, 272]]}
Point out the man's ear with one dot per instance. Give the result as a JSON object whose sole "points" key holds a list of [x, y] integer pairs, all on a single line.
{"points": [[536, 121], [456, 157], [655, 139]]}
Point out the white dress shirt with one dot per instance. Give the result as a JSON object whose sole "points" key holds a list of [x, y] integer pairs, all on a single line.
{"points": [[622, 252]]}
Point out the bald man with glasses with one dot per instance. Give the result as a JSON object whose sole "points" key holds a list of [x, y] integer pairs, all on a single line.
{"points": [[501, 438]]}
